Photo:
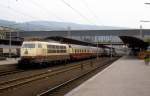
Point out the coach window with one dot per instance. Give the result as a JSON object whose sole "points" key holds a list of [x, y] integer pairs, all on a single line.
{"points": [[65, 51], [65, 47], [50, 51], [53, 46], [61, 47], [61, 51], [57, 47], [50, 46], [58, 51]]}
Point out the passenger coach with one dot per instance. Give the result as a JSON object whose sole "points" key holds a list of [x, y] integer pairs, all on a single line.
{"points": [[43, 52]]}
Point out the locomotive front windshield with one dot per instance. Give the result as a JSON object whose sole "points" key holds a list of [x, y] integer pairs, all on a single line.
{"points": [[28, 46]]}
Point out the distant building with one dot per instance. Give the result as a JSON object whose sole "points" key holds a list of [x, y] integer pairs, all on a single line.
{"points": [[5, 49], [5, 33], [2, 33]]}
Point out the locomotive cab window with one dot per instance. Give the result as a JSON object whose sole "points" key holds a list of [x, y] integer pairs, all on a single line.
{"points": [[28, 46]]}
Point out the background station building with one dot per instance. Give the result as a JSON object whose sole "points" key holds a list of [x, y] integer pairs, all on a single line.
{"points": [[13, 38], [9, 42]]}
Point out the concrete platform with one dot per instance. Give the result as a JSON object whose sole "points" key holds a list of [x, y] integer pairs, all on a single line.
{"points": [[9, 61], [126, 77]]}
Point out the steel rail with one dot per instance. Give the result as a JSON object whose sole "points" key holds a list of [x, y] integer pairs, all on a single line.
{"points": [[71, 80], [3, 73], [20, 81]]}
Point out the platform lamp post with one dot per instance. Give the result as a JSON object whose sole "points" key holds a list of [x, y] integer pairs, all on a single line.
{"points": [[10, 40], [97, 48], [141, 33], [10, 43], [111, 47], [10, 37], [69, 32], [141, 29], [147, 3]]}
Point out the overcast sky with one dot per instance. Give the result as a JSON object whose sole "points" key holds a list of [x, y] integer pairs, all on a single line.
{"points": [[122, 13]]}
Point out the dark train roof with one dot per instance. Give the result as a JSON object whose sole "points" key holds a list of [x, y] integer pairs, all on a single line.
{"points": [[133, 42], [73, 41]]}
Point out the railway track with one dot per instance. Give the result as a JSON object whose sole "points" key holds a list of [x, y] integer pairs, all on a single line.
{"points": [[8, 72], [20, 81], [80, 69], [48, 92]]}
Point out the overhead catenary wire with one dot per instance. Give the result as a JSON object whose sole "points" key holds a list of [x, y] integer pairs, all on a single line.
{"points": [[76, 11], [34, 17], [21, 13], [18, 12], [90, 10], [46, 10]]}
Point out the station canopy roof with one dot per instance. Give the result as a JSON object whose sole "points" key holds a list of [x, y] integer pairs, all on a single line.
{"points": [[73, 41], [54, 38], [133, 42]]}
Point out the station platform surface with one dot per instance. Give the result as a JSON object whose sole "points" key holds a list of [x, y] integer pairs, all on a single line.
{"points": [[9, 61], [128, 76]]}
